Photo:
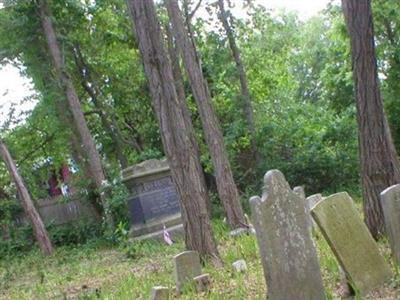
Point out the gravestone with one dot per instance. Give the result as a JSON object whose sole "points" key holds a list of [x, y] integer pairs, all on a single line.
{"points": [[288, 256], [240, 266], [153, 201], [311, 201], [351, 242], [186, 267], [299, 190], [202, 283], [159, 293], [390, 200]]}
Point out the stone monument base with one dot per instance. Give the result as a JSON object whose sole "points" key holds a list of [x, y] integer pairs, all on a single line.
{"points": [[154, 228]]}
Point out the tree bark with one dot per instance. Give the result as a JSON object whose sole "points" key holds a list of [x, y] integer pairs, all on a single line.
{"points": [[94, 93], [176, 134], [380, 166], [94, 161], [247, 106], [227, 189], [179, 85], [39, 229]]}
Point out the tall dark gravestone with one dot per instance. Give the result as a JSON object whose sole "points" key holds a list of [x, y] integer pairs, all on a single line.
{"points": [[153, 201]]}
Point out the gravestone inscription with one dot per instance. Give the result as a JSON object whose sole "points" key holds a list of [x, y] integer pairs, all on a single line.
{"points": [[351, 242], [153, 201], [390, 199], [289, 259]]}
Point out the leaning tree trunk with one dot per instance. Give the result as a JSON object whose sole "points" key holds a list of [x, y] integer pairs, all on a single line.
{"points": [[176, 134], [94, 161], [380, 166], [39, 229], [180, 90], [247, 107], [226, 186], [91, 88]]}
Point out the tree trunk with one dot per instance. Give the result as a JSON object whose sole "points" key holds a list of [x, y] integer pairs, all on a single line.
{"points": [[176, 134], [94, 161], [245, 98], [178, 79], [94, 93], [39, 229], [380, 166], [227, 189]]}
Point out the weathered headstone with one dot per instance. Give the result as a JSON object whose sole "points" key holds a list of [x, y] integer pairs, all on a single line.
{"points": [[186, 267], [311, 201], [240, 266], [299, 190], [351, 242], [239, 231], [390, 200], [202, 282], [159, 293], [288, 256], [153, 200]]}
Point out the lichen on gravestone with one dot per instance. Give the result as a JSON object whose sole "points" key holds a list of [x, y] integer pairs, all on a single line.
{"points": [[351, 242], [288, 256]]}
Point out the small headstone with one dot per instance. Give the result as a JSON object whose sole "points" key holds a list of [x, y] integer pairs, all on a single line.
{"points": [[186, 267], [239, 231], [311, 201], [159, 293], [202, 282], [288, 256], [351, 242], [390, 199], [299, 190], [240, 266]]}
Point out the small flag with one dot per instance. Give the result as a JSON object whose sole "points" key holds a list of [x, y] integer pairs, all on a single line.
{"points": [[167, 238]]}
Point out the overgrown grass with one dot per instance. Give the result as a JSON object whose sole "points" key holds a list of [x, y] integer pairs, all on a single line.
{"points": [[101, 271]]}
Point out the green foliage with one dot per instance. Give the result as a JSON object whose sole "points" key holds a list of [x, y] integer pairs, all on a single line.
{"points": [[300, 79], [74, 233]]}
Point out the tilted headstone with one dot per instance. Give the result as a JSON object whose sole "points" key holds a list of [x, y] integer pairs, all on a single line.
{"points": [[288, 256], [311, 201], [351, 242], [390, 200], [159, 293], [186, 266]]}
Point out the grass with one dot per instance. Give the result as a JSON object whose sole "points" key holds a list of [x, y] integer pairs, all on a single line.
{"points": [[101, 271]]}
